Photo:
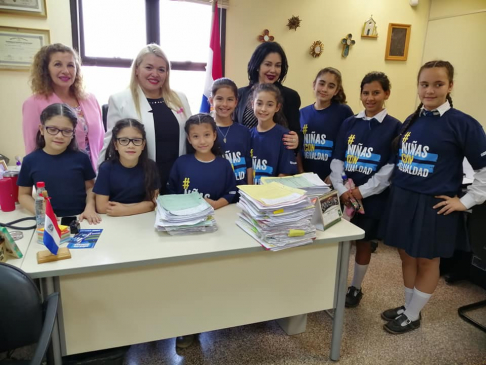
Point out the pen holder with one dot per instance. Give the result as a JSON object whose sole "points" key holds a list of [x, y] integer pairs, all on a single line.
{"points": [[13, 176], [7, 199]]}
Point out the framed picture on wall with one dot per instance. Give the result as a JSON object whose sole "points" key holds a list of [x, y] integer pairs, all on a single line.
{"points": [[18, 46], [397, 42], [24, 7]]}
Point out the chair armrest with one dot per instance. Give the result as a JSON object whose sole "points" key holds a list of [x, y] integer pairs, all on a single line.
{"points": [[50, 304]]}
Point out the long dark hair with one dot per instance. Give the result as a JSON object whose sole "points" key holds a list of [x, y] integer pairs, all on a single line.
{"points": [[198, 119], [431, 64], [55, 110], [259, 55], [279, 116], [340, 97], [148, 166]]}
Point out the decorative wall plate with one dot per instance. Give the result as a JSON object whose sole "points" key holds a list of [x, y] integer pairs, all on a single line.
{"points": [[316, 49], [266, 37], [294, 23]]}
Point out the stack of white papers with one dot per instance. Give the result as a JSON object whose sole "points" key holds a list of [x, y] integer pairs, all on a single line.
{"points": [[308, 181], [276, 215], [179, 214]]}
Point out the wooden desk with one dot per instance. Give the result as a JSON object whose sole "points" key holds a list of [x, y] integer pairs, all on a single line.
{"points": [[138, 285], [23, 244]]}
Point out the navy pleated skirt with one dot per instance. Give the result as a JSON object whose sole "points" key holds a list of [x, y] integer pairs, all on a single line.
{"points": [[411, 223]]}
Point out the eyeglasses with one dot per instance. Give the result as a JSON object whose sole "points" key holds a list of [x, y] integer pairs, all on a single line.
{"points": [[53, 131], [126, 141]]}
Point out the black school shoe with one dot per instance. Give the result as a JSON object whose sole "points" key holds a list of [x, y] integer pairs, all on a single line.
{"points": [[401, 324], [353, 297], [391, 314]]}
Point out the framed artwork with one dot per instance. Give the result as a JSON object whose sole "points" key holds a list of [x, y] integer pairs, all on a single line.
{"points": [[18, 46], [397, 42], [24, 7]]}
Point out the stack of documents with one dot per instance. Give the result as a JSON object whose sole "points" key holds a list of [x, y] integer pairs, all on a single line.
{"points": [[308, 181], [179, 214], [65, 235], [276, 215]]}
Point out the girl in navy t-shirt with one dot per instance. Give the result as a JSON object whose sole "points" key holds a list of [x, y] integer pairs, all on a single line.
{"points": [[363, 152], [127, 181], [320, 123], [66, 171], [234, 138], [203, 170], [270, 157], [423, 217]]}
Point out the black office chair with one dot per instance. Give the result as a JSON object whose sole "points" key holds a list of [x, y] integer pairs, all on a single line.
{"points": [[477, 237], [24, 318], [104, 114]]}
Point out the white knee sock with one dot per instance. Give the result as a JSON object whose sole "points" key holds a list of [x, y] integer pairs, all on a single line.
{"points": [[359, 274], [408, 296], [419, 300]]}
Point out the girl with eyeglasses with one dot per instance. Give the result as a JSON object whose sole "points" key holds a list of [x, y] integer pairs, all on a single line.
{"points": [[66, 171], [127, 181]]}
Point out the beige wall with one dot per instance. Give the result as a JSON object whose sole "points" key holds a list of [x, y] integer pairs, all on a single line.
{"points": [[329, 21], [456, 34], [14, 85]]}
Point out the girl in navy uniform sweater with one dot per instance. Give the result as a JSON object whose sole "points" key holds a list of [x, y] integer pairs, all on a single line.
{"points": [[270, 156], [320, 123], [127, 181], [203, 170], [424, 219], [363, 152], [234, 138], [66, 171]]}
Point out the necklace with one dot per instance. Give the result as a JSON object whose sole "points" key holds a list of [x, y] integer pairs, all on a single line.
{"points": [[156, 101], [224, 135]]}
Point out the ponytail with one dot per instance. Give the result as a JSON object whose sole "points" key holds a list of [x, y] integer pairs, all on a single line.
{"points": [[413, 118]]}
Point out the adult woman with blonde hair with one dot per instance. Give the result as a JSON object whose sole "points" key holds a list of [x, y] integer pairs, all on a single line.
{"points": [[56, 78], [162, 111]]}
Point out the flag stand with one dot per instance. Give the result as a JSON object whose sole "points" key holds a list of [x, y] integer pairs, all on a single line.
{"points": [[46, 256]]}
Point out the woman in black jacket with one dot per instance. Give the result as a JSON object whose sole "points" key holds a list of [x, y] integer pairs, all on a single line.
{"points": [[268, 64]]}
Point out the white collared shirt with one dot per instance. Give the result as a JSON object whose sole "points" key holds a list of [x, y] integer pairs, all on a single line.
{"points": [[441, 109], [379, 117]]}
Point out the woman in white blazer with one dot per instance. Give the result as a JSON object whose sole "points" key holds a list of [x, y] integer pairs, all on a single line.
{"points": [[162, 111]]}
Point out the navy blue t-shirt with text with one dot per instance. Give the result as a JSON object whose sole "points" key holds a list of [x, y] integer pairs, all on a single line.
{"points": [[213, 180], [270, 156], [320, 129], [236, 149]]}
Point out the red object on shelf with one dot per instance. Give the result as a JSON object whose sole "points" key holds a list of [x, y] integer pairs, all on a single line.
{"points": [[7, 198]]}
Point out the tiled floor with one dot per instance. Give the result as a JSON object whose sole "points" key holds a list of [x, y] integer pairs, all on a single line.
{"points": [[444, 338]]}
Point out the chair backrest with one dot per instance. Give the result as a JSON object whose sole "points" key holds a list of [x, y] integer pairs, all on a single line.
{"points": [[477, 231], [21, 311], [104, 114]]}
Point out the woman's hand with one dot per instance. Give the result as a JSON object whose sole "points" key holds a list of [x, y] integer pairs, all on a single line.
{"points": [[449, 205], [90, 215], [356, 194], [291, 140]]}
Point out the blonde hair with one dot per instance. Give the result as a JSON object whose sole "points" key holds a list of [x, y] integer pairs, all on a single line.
{"points": [[170, 97], [40, 79]]}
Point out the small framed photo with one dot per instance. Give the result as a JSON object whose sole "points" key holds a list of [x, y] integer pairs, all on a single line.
{"points": [[3, 166], [24, 7], [18, 46], [397, 42]]}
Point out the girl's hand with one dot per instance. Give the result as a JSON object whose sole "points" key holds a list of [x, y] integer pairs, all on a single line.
{"points": [[211, 202], [357, 194], [345, 198], [90, 215], [115, 209], [328, 180], [449, 205], [291, 140]]}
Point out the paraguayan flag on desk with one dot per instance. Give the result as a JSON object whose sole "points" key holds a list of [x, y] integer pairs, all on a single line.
{"points": [[214, 69], [52, 233]]}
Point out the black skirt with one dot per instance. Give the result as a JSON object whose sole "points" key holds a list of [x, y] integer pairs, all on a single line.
{"points": [[411, 223]]}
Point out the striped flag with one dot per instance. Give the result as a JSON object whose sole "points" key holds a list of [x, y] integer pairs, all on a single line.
{"points": [[214, 67], [52, 233]]}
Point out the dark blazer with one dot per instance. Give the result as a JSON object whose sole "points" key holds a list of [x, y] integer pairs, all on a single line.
{"points": [[291, 107]]}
